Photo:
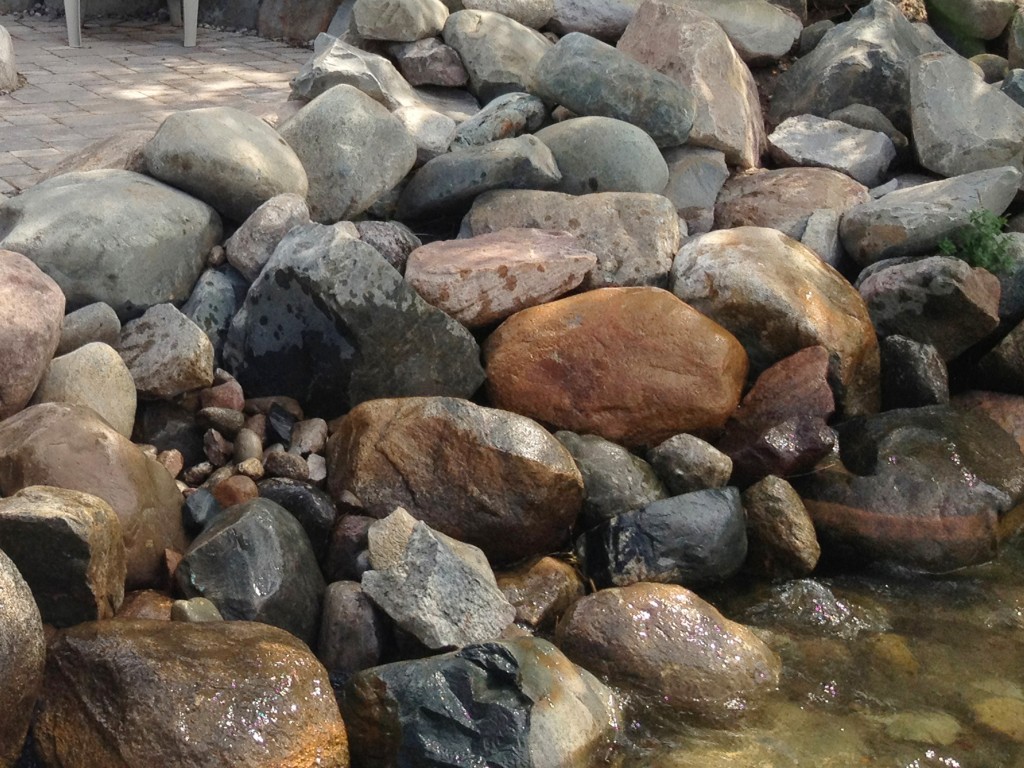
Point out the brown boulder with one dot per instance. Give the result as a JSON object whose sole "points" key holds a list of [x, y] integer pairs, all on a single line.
{"points": [[778, 297], [69, 446], [1005, 410], [541, 591], [666, 644], [187, 694], [633, 365], [781, 542], [31, 314], [490, 478]]}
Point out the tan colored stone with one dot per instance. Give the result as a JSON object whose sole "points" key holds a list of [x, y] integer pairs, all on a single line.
{"points": [[778, 297], [666, 644], [692, 49], [1002, 714], [187, 694], [780, 533], [146, 604], [633, 365], [484, 279], [489, 478], [541, 591], [634, 235], [121, 151], [69, 446]]}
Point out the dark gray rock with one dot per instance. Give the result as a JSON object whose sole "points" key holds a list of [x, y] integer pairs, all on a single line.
{"points": [[812, 34], [913, 374], [1002, 367], [1013, 86], [693, 539], [686, 463], [430, 62], [310, 506], [200, 508], [216, 298], [391, 239], [614, 480], [592, 78], [504, 117], [353, 633], [695, 177], [272, 578], [348, 556], [354, 331]]}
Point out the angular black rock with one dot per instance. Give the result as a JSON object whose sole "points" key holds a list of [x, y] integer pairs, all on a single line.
{"points": [[200, 508], [913, 374], [311, 507], [217, 296]]}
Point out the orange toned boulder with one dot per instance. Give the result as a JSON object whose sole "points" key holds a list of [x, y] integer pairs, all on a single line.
{"points": [[633, 365], [142, 693], [69, 446]]}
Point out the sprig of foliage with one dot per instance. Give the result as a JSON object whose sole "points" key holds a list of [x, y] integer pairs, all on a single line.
{"points": [[981, 243]]}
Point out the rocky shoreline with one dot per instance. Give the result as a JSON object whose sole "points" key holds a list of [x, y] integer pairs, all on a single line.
{"points": [[408, 424]]}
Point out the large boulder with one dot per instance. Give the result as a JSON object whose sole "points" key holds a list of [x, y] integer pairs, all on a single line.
{"points": [[778, 297], [120, 237], [761, 32], [603, 19], [31, 314], [222, 692], [225, 157], [296, 22], [515, 703], [401, 20], [808, 140], [69, 446], [331, 323], [633, 365], [692, 49], [166, 353], [490, 478], [353, 151]]}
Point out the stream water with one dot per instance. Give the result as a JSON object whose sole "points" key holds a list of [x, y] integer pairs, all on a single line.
{"points": [[888, 669]]}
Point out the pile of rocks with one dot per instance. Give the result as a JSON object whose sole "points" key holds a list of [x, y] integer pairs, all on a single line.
{"points": [[472, 474]]}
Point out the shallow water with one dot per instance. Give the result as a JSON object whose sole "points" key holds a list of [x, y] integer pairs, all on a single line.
{"points": [[879, 669]]}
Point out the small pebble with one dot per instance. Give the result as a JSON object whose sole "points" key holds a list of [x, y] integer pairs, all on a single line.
{"points": [[235, 490], [226, 395], [309, 436], [251, 468], [282, 464], [225, 420], [172, 460], [217, 448], [195, 610], [198, 474]]}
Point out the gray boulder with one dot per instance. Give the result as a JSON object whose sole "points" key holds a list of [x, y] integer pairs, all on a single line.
{"points": [[249, 248], [499, 54], [121, 238], [431, 132], [399, 20], [330, 322], [225, 157], [761, 32], [429, 62], [589, 77], [914, 374], [218, 295], [809, 140], [982, 19], [603, 19], [166, 353], [93, 322], [685, 463], [695, 177], [952, 140], [599, 154], [354, 633], [353, 150], [392, 240], [504, 117], [530, 13]]}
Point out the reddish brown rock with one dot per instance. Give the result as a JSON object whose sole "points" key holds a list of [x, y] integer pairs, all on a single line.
{"points": [[69, 446], [778, 297], [541, 591], [31, 314], [146, 604], [1005, 410], [484, 279], [187, 694], [486, 477], [666, 644], [633, 365], [235, 490], [784, 199], [226, 395]]}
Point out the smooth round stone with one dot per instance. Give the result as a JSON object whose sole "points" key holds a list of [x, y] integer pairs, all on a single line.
{"points": [[924, 727], [197, 609], [93, 322], [1002, 714], [235, 490]]}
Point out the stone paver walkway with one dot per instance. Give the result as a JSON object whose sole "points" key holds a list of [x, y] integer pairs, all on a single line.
{"points": [[126, 75]]}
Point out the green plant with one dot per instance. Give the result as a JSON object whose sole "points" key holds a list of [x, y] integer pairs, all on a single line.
{"points": [[981, 242]]}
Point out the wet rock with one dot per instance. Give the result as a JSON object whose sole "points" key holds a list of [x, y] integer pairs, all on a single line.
{"points": [[198, 691], [353, 151], [686, 463], [330, 322], [440, 591], [778, 297], [1002, 367], [285, 465], [924, 727], [166, 353], [913, 374], [499, 53], [122, 238], [391, 239], [227, 158], [146, 604], [31, 312], [308, 504], [69, 548], [233, 490], [21, 664], [592, 78], [666, 644], [482, 280], [403, 20], [614, 480], [490, 478], [515, 703], [195, 611], [199, 509], [680, 41], [1002, 715], [695, 178], [913, 221], [250, 247], [921, 487], [693, 539], [540, 362], [93, 322], [940, 301], [784, 199], [68, 446], [353, 632], [634, 236], [273, 579], [807, 140], [541, 591], [781, 542], [430, 62], [217, 296], [808, 607], [504, 117], [761, 32], [347, 553]]}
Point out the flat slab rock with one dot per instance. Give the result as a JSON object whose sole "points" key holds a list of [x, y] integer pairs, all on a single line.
{"points": [[484, 279], [810, 140]]}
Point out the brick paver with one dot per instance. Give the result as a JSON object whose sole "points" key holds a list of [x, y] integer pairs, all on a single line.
{"points": [[126, 75]]}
